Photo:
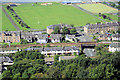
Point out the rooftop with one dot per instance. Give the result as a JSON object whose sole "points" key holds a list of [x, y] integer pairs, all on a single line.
{"points": [[115, 45], [54, 48], [10, 33], [66, 57], [116, 35], [51, 59], [101, 25], [60, 26]]}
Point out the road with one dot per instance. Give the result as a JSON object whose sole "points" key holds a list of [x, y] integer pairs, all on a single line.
{"points": [[11, 20]]}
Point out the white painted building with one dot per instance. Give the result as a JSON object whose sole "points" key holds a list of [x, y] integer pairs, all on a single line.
{"points": [[57, 50], [70, 38], [116, 37], [114, 47], [55, 38], [9, 50]]}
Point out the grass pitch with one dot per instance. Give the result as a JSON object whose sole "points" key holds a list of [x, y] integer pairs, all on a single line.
{"points": [[98, 8], [40, 16]]}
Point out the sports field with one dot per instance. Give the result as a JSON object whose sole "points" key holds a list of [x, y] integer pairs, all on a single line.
{"points": [[5, 24], [40, 16], [98, 8]]}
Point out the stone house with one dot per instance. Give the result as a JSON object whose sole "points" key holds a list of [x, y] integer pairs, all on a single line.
{"points": [[10, 36], [55, 38], [101, 27]]}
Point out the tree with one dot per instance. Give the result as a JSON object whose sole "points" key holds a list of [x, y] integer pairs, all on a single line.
{"points": [[6, 74], [44, 33], [52, 33], [65, 30], [118, 31], [75, 54], [38, 75], [53, 72], [17, 76], [57, 30], [25, 75], [113, 4], [99, 14], [97, 72], [47, 45], [73, 31], [104, 16], [23, 41], [8, 7], [56, 57], [72, 25]]}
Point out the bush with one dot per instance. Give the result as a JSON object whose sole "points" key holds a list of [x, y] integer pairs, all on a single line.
{"points": [[23, 41]]}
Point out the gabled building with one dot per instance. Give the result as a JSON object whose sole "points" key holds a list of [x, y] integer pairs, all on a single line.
{"points": [[34, 36], [66, 57], [114, 47], [51, 51], [27, 36], [116, 37], [42, 38], [10, 36], [70, 38], [9, 50], [100, 27], [85, 38], [105, 37], [55, 38]]}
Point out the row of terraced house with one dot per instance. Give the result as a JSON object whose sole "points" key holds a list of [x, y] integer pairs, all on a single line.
{"points": [[71, 50], [15, 36], [101, 27]]}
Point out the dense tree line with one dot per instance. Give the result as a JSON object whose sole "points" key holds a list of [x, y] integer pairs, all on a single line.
{"points": [[17, 18], [104, 16], [31, 65], [26, 64], [64, 31], [113, 4]]}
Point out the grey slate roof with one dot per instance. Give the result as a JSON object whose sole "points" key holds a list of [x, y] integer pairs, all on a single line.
{"points": [[66, 57], [101, 25], [55, 36], [59, 25], [115, 45], [42, 36], [5, 59], [89, 52], [70, 36], [85, 38], [30, 49], [9, 33], [54, 48], [8, 49], [116, 35]]}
